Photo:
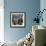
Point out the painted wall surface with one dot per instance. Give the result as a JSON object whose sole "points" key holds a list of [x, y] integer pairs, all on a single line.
{"points": [[43, 6], [28, 6], [1, 21]]}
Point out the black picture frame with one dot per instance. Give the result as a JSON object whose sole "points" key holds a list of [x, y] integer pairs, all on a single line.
{"points": [[17, 19]]}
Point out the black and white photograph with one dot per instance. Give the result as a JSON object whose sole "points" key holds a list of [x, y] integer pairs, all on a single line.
{"points": [[17, 19]]}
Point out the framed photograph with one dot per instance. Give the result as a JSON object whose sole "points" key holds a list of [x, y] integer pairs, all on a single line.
{"points": [[17, 19]]}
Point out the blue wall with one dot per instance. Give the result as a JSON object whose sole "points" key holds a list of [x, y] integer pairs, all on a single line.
{"points": [[28, 6], [43, 6]]}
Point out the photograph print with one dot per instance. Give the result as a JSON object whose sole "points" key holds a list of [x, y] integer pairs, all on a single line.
{"points": [[17, 19]]}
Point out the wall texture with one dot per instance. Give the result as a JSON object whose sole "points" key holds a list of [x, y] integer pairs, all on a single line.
{"points": [[43, 6], [28, 6]]}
